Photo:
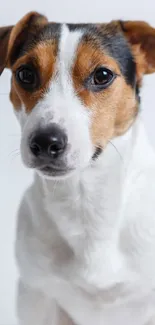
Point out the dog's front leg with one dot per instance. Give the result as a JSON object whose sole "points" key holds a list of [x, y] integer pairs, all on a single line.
{"points": [[34, 308]]}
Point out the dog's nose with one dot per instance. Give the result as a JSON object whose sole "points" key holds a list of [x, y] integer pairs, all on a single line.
{"points": [[50, 142]]}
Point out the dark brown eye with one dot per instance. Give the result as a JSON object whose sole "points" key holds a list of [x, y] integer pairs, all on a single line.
{"points": [[102, 77], [27, 77]]}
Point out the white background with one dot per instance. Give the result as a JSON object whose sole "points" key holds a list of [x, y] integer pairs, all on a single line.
{"points": [[13, 176]]}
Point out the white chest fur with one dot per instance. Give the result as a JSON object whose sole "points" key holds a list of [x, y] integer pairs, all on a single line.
{"points": [[89, 241]]}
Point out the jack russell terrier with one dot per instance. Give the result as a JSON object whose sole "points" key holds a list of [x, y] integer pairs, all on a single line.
{"points": [[86, 226]]}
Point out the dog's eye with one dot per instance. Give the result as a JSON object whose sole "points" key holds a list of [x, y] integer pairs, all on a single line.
{"points": [[27, 77], [102, 77]]}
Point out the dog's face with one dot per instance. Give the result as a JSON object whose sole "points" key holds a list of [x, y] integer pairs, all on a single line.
{"points": [[74, 87]]}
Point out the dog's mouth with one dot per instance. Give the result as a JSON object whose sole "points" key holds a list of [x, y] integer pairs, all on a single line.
{"points": [[61, 170], [53, 171]]}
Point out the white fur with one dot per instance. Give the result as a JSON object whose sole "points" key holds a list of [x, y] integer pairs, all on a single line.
{"points": [[60, 105], [86, 244]]}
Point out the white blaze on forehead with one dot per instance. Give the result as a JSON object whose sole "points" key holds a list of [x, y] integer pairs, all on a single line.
{"points": [[69, 41], [61, 105]]}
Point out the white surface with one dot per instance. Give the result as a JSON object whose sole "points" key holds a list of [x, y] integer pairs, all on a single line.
{"points": [[14, 178]]}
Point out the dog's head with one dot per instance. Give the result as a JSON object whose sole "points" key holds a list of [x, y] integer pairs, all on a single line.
{"points": [[74, 87]]}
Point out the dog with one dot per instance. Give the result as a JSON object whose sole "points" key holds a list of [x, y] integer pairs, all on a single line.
{"points": [[85, 242]]}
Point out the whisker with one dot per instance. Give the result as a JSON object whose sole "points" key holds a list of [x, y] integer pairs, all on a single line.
{"points": [[15, 151], [54, 186], [116, 150], [14, 156]]}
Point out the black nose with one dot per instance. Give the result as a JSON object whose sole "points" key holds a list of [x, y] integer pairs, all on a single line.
{"points": [[50, 142]]}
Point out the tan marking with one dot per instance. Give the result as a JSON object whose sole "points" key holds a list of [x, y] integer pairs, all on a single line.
{"points": [[88, 58], [44, 57], [14, 97], [141, 64], [29, 24], [4, 39], [141, 37], [113, 109]]}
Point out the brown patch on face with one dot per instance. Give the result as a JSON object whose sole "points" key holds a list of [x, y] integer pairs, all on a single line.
{"points": [[14, 97], [43, 56], [113, 109]]}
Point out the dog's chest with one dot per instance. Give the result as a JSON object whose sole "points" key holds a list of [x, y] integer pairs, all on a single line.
{"points": [[102, 248], [98, 276], [86, 211]]}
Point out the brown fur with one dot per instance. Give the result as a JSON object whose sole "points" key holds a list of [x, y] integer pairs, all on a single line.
{"points": [[14, 97], [4, 39], [28, 25], [44, 57], [141, 37], [12, 37], [113, 109]]}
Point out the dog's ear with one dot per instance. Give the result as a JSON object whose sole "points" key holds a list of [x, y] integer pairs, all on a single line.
{"points": [[4, 40], [12, 38], [141, 37]]}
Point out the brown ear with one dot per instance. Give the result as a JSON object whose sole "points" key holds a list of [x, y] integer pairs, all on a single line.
{"points": [[12, 38], [4, 40], [141, 37]]}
